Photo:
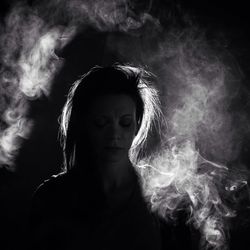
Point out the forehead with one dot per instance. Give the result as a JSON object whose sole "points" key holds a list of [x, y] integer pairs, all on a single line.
{"points": [[113, 104]]}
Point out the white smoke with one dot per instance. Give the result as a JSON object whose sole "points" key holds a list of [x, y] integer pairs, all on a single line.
{"points": [[191, 169], [179, 179], [28, 63], [28, 42], [196, 96]]}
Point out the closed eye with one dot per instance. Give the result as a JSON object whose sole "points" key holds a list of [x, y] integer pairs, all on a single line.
{"points": [[126, 121], [101, 122]]}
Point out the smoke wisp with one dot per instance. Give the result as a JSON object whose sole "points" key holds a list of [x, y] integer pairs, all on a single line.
{"points": [[29, 37], [190, 169], [196, 166]]}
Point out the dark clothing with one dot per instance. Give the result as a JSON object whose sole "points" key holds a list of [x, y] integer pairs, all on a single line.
{"points": [[70, 212]]}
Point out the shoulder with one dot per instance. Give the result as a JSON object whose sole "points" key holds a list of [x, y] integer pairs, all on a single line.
{"points": [[52, 197], [54, 190], [51, 185]]}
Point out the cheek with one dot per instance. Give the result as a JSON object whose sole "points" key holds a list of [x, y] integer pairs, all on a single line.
{"points": [[129, 137], [99, 138], [95, 137]]}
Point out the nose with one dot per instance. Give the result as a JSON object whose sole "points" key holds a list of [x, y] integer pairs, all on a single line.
{"points": [[114, 132]]}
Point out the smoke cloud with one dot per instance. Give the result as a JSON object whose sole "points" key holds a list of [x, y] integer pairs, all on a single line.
{"points": [[196, 166], [202, 130], [199, 91], [27, 64], [29, 38]]}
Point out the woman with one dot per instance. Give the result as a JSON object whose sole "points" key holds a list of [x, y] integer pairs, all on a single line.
{"points": [[97, 203]]}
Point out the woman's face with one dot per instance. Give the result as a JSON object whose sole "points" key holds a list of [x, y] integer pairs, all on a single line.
{"points": [[111, 127]]}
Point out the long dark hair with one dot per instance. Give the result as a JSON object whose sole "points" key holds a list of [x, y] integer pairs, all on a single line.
{"points": [[115, 79]]}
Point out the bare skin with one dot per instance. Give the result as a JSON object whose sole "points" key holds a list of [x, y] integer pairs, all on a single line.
{"points": [[111, 127]]}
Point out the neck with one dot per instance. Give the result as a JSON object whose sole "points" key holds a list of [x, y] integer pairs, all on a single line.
{"points": [[115, 176]]}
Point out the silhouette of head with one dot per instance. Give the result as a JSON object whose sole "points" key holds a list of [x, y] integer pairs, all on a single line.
{"points": [[107, 115]]}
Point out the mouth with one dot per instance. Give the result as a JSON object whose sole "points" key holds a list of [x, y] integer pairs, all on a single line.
{"points": [[113, 148]]}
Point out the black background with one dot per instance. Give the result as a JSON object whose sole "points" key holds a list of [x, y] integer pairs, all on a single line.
{"points": [[40, 155]]}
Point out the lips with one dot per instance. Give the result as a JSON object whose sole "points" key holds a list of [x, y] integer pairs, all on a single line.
{"points": [[113, 149]]}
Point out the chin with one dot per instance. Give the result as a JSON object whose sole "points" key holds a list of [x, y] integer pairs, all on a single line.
{"points": [[115, 159]]}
